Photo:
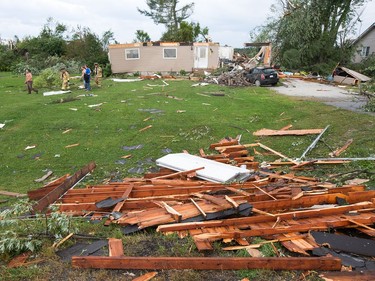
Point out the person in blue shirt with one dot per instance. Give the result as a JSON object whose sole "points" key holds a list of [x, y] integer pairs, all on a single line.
{"points": [[86, 77]]}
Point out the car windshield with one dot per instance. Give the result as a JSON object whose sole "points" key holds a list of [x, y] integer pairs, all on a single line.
{"points": [[268, 70]]}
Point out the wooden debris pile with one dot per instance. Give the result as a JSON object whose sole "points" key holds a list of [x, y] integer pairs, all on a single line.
{"points": [[277, 207], [235, 77]]}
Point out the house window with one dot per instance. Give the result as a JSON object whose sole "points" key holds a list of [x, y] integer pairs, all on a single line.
{"points": [[365, 51], [132, 54], [169, 53]]}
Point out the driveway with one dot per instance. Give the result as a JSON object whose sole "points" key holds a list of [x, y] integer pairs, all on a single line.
{"points": [[329, 94]]}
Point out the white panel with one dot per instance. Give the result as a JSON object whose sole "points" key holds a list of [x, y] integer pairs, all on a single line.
{"points": [[213, 171]]}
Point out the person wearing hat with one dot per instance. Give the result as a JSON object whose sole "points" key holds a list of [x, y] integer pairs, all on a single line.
{"points": [[98, 75], [65, 79]]}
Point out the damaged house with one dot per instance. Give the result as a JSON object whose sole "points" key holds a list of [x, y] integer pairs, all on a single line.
{"points": [[166, 57], [365, 44]]}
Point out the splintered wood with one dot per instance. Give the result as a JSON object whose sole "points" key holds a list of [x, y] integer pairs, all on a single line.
{"points": [[277, 207]]}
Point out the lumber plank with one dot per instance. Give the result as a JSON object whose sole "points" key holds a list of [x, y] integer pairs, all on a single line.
{"points": [[125, 196], [265, 218], [270, 132], [207, 263], [115, 247], [12, 194], [62, 188]]}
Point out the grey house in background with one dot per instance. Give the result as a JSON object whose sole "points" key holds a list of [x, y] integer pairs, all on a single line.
{"points": [[365, 44], [165, 57]]}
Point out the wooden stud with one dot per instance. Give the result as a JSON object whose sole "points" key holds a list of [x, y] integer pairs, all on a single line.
{"points": [[207, 263]]}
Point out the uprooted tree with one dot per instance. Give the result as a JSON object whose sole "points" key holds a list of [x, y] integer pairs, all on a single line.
{"points": [[312, 33]]}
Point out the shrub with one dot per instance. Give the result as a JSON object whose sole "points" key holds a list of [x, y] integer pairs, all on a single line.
{"points": [[48, 78]]}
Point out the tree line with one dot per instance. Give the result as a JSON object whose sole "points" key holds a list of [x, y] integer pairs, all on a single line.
{"points": [[306, 35]]}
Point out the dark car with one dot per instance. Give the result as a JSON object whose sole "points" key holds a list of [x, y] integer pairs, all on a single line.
{"points": [[262, 76]]}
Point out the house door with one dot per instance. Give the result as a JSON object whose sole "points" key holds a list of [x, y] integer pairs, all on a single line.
{"points": [[201, 57]]}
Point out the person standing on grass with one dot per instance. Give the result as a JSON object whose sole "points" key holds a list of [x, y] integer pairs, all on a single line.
{"points": [[29, 82], [65, 79], [86, 77], [98, 75]]}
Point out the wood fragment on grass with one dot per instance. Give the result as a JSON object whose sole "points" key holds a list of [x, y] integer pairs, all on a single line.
{"points": [[287, 132], [338, 151], [146, 277], [145, 128], [72, 145], [12, 194]]}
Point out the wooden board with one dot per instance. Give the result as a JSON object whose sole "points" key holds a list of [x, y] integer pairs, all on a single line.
{"points": [[207, 263], [62, 188], [269, 132]]}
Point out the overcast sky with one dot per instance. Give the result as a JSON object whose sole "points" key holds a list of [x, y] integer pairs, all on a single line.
{"points": [[229, 22]]}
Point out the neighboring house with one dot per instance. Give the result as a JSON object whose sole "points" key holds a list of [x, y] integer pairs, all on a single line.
{"points": [[164, 57], [365, 44]]}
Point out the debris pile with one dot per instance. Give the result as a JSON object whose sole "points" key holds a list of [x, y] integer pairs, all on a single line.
{"points": [[183, 198]]}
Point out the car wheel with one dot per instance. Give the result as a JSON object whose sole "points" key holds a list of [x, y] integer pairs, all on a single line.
{"points": [[257, 83]]}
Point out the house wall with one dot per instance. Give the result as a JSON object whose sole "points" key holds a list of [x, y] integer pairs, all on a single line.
{"points": [[151, 58], [367, 41]]}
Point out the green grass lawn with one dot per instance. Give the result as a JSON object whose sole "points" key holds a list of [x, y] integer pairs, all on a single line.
{"points": [[182, 118]]}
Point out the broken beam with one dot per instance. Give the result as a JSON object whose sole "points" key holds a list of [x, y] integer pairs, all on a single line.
{"points": [[64, 187]]}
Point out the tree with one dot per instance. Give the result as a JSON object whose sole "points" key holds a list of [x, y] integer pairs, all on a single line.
{"points": [[188, 32], [141, 36], [166, 12], [49, 42], [309, 31], [87, 47]]}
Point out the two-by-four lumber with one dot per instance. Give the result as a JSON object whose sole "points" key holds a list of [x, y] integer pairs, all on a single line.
{"points": [[304, 225], [62, 188], [207, 263], [270, 132], [43, 191], [124, 196], [295, 215]]}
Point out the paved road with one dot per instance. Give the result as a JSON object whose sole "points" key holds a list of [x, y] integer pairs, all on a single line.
{"points": [[328, 94]]}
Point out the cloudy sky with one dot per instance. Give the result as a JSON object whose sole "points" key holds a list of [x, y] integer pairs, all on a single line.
{"points": [[229, 22]]}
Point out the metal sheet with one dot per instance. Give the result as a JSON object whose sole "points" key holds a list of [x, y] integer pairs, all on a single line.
{"points": [[213, 171]]}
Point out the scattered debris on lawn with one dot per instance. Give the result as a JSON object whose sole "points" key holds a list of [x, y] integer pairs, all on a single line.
{"points": [[30, 147], [225, 196], [126, 80], [72, 145], [55, 93], [47, 175]]}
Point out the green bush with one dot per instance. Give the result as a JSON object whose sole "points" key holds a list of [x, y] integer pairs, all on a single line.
{"points": [[48, 78]]}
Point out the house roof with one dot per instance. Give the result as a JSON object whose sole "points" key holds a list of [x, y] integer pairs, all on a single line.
{"points": [[370, 28]]}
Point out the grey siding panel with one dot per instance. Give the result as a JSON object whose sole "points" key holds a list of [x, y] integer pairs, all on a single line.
{"points": [[366, 41]]}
